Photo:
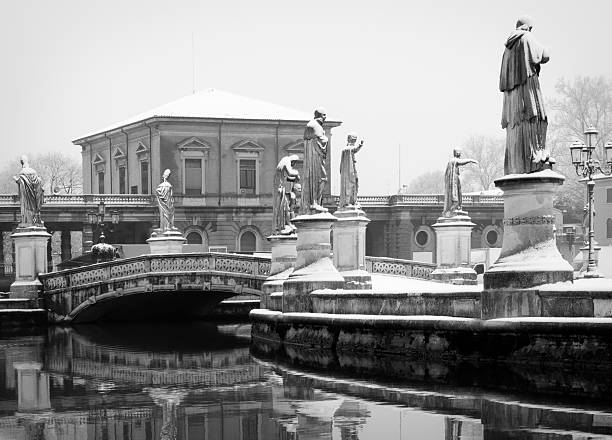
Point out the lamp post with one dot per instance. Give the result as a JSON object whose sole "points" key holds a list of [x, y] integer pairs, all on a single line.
{"points": [[97, 219], [587, 166]]}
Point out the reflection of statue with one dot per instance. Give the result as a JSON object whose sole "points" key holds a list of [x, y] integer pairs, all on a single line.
{"points": [[165, 202], [523, 114], [30, 194], [349, 182], [315, 156], [285, 179], [169, 400], [452, 184]]}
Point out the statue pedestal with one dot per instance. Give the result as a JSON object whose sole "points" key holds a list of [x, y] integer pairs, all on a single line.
{"points": [[314, 268], [349, 247], [169, 242], [453, 247], [529, 256], [30, 260], [282, 263]]}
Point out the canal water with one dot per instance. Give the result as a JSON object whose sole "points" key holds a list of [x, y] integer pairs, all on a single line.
{"points": [[200, 381]]}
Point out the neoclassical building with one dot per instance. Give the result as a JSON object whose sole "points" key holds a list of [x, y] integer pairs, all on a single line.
{"points": [[222, 151]]}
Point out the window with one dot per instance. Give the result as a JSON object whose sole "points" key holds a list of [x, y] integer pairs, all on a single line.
{"points": [[121, 180], [193, 177], [248, 242], [247, 176], [194, 238], [101, 182], [144, 177], [609, 195], [492, 237], [422, 237], [609, 228]]}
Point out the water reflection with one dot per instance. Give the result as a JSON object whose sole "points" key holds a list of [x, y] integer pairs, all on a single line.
{"points": [[199, 381]]}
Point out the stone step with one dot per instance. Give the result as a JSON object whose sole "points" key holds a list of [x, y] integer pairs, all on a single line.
{"points": [[15, 303]]}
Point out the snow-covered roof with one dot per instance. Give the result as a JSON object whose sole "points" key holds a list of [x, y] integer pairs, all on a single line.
{"points": [[215, 104]]}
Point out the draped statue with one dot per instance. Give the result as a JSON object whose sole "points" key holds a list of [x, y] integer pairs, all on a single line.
{"points": [[452, 184], [165, 203], [284, 196], [349, 181], [30, 190], [523, 113], [315, 158]]}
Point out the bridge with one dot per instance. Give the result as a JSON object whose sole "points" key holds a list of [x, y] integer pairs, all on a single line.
{"points": [[174, 285]]}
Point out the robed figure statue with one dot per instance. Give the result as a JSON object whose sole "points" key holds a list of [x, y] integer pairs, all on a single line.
{"points": [[452, 184], [30, 194], [315, 156], [283, 200], [165, 203], [349, 181], [523, 114]]}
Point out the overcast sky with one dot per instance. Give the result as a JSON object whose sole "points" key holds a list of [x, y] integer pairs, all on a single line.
{"points": [[423, 75]]}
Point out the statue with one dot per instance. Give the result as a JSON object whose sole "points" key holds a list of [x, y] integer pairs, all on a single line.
{"points": [[30, 194], [349, 182], [523, 114], [165, 202], [285, 179], [315, 156], [452, 184]]}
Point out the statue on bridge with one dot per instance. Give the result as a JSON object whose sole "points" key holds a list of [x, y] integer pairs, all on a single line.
{"points": [[165, 203], [523, 113], [30, 194], [315, 158], [285, 196], [349, 181], [452, 184]]}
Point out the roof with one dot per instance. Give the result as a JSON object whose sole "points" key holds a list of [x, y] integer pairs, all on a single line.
{"points": [[213, 104]]}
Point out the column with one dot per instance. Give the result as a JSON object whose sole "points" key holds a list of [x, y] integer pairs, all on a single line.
{"points": [[87, 237], [66, 245]]}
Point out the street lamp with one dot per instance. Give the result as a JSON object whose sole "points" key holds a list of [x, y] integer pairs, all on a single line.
{"points": [[96, 218], [586, 166]]}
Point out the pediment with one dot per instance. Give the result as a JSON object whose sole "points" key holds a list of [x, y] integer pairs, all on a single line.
{"points": [[295, 147], [193, 143], [247, 146], [141, 148], [98, 159], [118, 153]]}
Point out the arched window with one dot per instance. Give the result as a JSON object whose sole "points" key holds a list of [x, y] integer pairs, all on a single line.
{"points": [[248, 242], [194, 238], [609, 228]]}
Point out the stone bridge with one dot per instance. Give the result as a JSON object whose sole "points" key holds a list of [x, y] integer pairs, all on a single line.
{"points": [[171, 286]]}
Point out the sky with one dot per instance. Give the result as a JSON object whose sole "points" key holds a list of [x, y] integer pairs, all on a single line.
{"points": [[414, 79]]}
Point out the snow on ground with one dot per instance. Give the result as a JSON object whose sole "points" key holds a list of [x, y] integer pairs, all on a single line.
{"points": [[395, 283]]}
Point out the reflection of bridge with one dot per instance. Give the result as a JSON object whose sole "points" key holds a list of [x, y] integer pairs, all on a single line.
{"points": [[172, 285]]}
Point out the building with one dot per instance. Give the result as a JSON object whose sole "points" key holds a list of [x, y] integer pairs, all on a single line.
{"points": [[603, 210]]}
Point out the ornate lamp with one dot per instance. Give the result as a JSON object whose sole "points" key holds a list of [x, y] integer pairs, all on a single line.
{"points": [[576, 153], [591, 137], [608, 153]]}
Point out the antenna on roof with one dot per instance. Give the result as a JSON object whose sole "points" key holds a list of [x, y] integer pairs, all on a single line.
{"points": [[193, 63]]}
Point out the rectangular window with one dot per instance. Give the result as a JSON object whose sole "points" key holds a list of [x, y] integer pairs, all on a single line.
{"points": [[609, 195], [101, 182], [193, 177], [121, 180], [247, 176], [134, 189], [144, 177]]}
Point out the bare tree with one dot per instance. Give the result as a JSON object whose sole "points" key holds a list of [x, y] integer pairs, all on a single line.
{"points": [[430, 182], [489, 152]]}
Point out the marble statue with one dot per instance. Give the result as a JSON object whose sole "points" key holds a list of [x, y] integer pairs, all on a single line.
{"points": [[523, 114], [349, 181], [285, 179], [165, 203], [315, 157], [452, 184], [30, 194]]}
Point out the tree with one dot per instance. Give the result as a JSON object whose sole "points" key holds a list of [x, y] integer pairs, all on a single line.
{"points": [[431, 182], [580, 103], [489, 152]]}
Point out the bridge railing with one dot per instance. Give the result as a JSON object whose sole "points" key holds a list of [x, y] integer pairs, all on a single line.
{"points": [[257, 267], [394, 266]]}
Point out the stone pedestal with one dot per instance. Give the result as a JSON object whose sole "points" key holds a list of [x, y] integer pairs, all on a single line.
{"points": [[529, 256], [169, 242], [349, 247], [453, 247], [282, 263], [314, 268], [30, 260]]}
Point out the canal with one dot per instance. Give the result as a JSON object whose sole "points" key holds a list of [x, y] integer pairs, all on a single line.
{"points": [[204, 381]]}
